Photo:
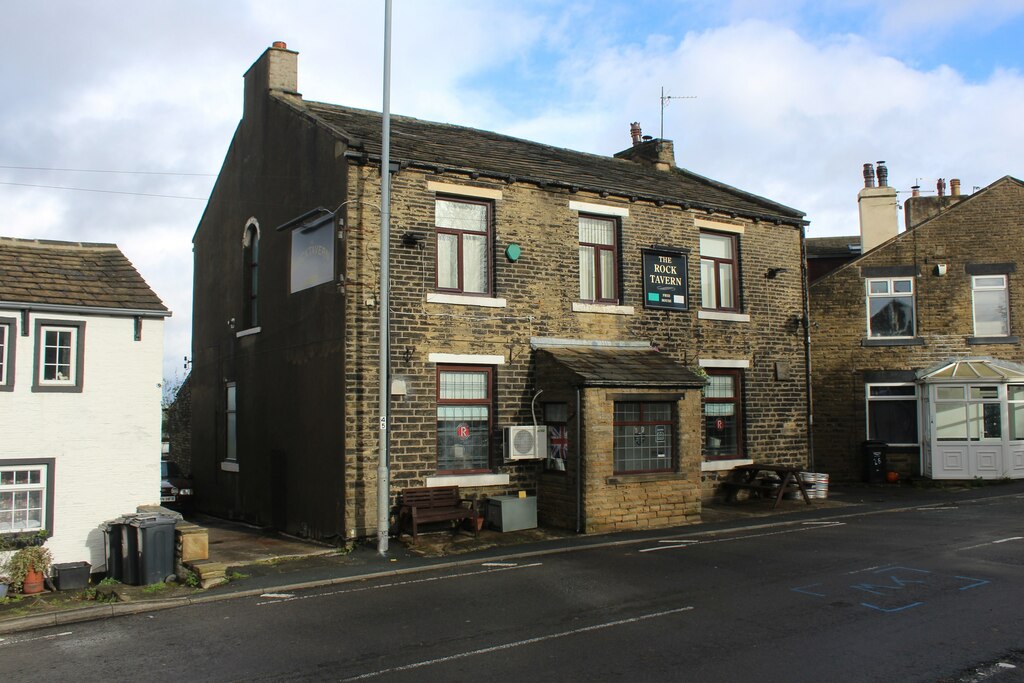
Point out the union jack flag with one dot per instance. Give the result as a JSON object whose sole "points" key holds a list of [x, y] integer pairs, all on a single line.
{"points": [[558, 442]]}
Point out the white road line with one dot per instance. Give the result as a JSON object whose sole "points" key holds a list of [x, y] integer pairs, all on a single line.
{"points": [[18, 641], [518, 643], [681, 544], [982, 545], [395, 584], [671, 545]]}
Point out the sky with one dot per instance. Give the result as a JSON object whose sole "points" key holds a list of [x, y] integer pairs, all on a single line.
{"points": [[116, 116]]}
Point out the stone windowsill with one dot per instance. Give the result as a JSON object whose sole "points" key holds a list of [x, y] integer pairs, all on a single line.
{"points": [[993, 340], [248, 332], [724, 316], [612, 309], [229, 465], [904, 341], [465, 300], [644, 478], [488, 479]]}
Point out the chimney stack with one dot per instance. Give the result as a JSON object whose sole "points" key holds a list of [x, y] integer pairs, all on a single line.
{"points": [[276, 71], [877, 206], [954, 187], [634, 132]]}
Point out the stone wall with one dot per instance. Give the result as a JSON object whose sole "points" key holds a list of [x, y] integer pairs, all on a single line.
{"points": [[986, 228]]}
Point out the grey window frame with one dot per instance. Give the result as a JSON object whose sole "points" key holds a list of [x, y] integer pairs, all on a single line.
{"points": [[76, 383], [8, 347]]}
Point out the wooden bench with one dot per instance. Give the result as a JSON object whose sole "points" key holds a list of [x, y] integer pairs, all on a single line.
{"points": [[434, 504]]}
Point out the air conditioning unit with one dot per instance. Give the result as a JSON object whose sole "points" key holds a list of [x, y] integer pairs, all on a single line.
{"points": [[527, 442]]}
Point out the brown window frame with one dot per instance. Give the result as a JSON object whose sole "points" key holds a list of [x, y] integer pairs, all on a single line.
{"points": [[487, 401], [717, 261], [737, 401], [598, 248], [488, 234], [670, 465]]}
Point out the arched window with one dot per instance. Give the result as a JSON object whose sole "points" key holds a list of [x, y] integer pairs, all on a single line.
{"points": [[251, 272]]}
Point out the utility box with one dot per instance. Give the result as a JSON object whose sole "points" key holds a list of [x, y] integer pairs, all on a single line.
{"points": [[512, 513]]}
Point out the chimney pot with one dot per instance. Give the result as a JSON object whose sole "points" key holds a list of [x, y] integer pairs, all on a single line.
{"points": [[634, 132], [940, 187], [915, 191], [883, 174], [869, 175], [280, 44], [954, 187]]}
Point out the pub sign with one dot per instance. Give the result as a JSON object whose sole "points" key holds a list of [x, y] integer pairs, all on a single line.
{"points": [[665, 279]]}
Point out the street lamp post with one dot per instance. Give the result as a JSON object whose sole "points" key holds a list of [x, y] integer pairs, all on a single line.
{"points": [[383, 476]]}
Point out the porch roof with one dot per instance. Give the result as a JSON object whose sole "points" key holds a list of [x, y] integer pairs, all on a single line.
{"points": [[622, 367], [973, 369]]}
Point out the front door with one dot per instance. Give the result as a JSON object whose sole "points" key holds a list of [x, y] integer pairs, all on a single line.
{"points": [[976, 431]]}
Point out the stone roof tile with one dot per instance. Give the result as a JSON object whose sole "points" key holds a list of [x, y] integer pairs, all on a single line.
{"points": [[72, 274]]}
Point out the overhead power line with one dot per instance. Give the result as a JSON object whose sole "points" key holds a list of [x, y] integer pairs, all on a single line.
{"points": [[99, 170], [86, 189]]}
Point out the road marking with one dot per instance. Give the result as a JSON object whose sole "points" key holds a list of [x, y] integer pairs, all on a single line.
{"points": [[18, 641], [518, 643], [499, 564], [281, 596], [684, 543], [982, 545], [396, 584], [672, 544]]}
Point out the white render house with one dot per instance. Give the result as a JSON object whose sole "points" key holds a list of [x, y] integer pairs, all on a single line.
{"points": [[81, 346]]}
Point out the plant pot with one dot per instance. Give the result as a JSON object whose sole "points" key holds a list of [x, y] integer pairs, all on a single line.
{"points": [[33, 582]]}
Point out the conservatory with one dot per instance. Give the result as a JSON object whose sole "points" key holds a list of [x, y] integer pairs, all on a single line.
{"points": [[972, 414]]}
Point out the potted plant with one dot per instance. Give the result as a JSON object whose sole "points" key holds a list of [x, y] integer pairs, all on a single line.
{"points": [[28, 568]]}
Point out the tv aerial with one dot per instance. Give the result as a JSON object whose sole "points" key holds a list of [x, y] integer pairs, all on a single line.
{"points": [[665, 100]]}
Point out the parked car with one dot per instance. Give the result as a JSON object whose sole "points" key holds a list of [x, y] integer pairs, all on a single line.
{"points": [[175, 487]]}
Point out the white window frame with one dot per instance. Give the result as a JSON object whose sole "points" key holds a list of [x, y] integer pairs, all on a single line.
{"points": [[890, 293], [1003, 286], [868, 399], [45, 485]]}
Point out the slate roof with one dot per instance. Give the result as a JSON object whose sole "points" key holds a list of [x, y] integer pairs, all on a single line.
{"points": [[833, 247], [623, 367], [72, 274], [445, 146]]}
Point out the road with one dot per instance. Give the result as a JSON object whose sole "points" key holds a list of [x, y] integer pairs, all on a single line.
{"points": [[926, 594]]}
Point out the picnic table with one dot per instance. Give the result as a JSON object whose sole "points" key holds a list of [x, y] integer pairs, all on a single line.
{"points": [[764, 479]]}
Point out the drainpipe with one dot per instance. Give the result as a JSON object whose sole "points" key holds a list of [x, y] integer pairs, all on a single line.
{"points": [[807, 348], [579, 466]]}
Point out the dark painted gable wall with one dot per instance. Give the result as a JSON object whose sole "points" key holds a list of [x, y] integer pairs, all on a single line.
{"points": [[289, 375]]}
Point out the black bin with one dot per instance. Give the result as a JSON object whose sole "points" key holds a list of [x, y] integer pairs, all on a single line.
{"points": [[155, 548], [875, 453], [140, 548]]}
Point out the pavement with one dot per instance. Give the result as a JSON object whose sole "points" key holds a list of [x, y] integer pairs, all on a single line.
{"points": [[261, 562]]}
